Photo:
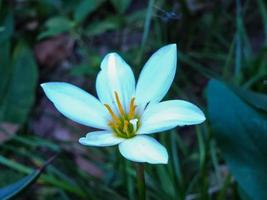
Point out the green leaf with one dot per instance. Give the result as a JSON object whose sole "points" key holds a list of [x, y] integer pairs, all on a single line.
{"points": [[99, 27], [255, 99], [14, 189], [137, 17], [85, 8], [55, 26], [121, 5], [7, 27], [4, 68], [241, 133], [20, 84]]}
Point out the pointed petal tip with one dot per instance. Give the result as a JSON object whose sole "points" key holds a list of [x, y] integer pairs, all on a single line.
{"points": [[202, 116], [47, 84], [43, 85], [164, 160], [172, 46], [169, 48], [112, 55], [110, 60], [81, 140]]}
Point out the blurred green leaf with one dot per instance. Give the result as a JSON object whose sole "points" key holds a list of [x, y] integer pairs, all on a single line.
{"points": [[137, 18], [148, 19], [14, 189], [255, 99], [45, 178], [7, 27], [4, 69], [241, 133], [85, 8], [19, 94], [55, 26], [121, 5], [165, 181], [263, 11], [99, 27]]}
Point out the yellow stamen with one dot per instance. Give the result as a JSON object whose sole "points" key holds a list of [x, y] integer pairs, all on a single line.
{"points": [[114, 117], [132, 108], [125, 127], [124, 124], [119, 103], [113, 124]]}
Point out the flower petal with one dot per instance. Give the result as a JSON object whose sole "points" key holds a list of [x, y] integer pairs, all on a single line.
{"points": [[77, 104], [100, 139], [144, 149], [115, 76], [169, 114], [157, 75]]}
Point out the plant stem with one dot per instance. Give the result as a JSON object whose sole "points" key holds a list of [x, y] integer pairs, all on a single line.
{"points": [[141, 185]]}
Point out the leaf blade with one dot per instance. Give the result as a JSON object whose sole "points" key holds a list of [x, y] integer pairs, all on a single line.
{"points": [[241, 133]]}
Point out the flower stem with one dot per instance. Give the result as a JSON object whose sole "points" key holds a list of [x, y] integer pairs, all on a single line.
{"points": [[141, 185]]}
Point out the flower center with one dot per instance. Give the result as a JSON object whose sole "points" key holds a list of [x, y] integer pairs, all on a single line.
{"points": [[125, 124]]}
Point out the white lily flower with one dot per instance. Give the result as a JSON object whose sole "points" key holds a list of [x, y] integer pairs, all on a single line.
{"points": [[126, 112]]}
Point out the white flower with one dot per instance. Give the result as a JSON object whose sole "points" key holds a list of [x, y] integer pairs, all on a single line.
{"points": [[127, 112]]}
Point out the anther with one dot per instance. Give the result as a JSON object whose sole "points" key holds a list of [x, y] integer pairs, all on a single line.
{"points": [[125, 128], [132, 109], [119, 103], [115, 118]]}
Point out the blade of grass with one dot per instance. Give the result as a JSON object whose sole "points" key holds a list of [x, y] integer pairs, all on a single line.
{"points": [[149, 13], [263, 10], [215, 161], [44, 178], [36, 142], [243, 47], [130, 182], [201, 147], [176, 166], [238, 41], [11, 191], [223, 191], [200, 68], [228, 60]]}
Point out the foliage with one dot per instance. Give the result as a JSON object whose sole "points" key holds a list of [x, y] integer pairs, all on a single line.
{"points": [[14, 189]]}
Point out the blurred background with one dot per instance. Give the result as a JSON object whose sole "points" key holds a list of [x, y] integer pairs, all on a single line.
{"points": [[222, 68]]}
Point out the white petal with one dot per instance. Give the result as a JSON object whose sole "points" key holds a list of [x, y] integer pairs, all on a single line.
{"points": [[77, 104], [100, 139], [169, 114], [157, 75], [115, 75], [144, 149]]}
